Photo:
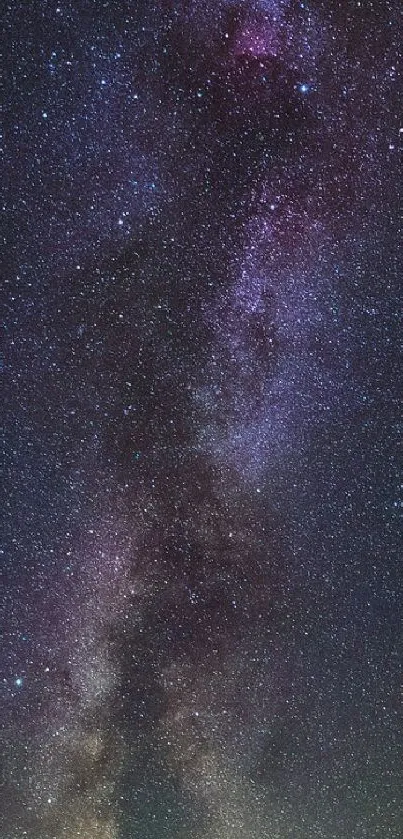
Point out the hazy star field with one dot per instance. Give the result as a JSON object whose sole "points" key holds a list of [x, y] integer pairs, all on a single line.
{"points": [[202, 596]]}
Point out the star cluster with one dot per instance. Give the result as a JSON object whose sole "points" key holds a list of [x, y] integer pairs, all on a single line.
{"points": [[202, 607]]}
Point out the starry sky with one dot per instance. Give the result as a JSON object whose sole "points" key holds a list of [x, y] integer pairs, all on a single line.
{"points": [[202, 600]]}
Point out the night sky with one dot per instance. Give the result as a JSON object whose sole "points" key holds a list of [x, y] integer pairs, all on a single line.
{"points": [[202, 595]]}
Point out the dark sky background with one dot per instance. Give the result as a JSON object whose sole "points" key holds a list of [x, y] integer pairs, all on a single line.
{"points": [[202, 603]]}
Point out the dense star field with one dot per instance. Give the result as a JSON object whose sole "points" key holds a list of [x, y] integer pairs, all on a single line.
{"points": [[202, 599]]}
